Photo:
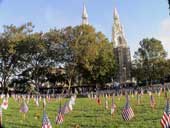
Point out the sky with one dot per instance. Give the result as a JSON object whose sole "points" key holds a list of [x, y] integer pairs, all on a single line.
{"points": [[140, 18]]}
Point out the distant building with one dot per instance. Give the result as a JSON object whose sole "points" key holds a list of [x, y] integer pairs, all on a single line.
{"points": [[121, 50]]}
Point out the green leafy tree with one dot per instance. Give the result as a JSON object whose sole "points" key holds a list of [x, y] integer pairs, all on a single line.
{"points": [[34, 59], [147, 60], [8, 58], [91, 56]]}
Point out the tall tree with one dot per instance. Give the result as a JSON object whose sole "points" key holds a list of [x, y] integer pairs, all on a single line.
{"points": [[91, 56], [34, 61], [8, 58], [150, 54]]}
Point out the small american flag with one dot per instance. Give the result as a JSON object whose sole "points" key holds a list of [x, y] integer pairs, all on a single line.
{"points": [[152, 101], [46, 122], [4, 104], [138, 98], [44, 103], [98, 100], [66, 109], [24, 108], [0, 117], [113, 107], [165, 121], [127, 112], [60, 117], [106, 104]]}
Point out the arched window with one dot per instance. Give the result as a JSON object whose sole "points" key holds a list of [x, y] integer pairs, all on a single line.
{"points": [[120, 40]]}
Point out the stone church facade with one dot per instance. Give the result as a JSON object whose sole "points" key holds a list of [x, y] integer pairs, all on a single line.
{"points": [[121, 49]]}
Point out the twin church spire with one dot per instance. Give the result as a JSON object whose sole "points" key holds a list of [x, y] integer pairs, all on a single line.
{"points": [[118, 37], [121, 50]]}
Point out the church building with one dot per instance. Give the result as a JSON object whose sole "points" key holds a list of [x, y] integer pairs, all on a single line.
{"points": [[121, 49]]}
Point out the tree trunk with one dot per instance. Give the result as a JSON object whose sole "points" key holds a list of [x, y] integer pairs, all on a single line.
{"points": [[69, 84]]}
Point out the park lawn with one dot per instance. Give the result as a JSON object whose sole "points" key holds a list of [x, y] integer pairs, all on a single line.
{"points": [[87, 114]]}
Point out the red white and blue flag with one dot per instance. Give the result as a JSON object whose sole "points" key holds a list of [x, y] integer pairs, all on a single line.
{"points": [[98, 100], [113, 107], [165, 121], [60, 117], [46, 122], [4, 104], [127, 112], [152, 101]]}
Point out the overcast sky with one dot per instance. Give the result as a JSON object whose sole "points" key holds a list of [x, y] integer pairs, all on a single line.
{"points": [[140, 18]]}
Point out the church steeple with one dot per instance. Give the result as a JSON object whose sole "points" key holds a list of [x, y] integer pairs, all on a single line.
{"points": [[121, 51], [118, 37], [116, 15], [84, 16]]}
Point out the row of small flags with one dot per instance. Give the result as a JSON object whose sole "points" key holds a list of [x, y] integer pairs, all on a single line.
{"points": [[127, 112], [68, 107]]}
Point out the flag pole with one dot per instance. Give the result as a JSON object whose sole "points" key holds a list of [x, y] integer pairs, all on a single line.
{"points": [[60, 108], [1, 117]]}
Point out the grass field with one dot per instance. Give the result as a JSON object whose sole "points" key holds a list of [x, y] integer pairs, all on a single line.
{"points": [[87, 114]]}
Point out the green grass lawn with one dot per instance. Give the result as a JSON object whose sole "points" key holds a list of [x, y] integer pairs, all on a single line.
{"points": [[87, 114]]}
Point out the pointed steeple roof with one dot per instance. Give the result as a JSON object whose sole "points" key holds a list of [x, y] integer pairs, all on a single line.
{"points": [[118, 36], [116, 15], [84, 15]]}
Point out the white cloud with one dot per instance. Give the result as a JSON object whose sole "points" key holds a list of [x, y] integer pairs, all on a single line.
{"points": [[164, 34]]}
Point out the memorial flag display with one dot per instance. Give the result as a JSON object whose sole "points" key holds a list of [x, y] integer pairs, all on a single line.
{"points": [[46, 122], [24, 108], [4, 104], [152, 101], [165, 121], [127, 112], [60, 116], [113, 106]]}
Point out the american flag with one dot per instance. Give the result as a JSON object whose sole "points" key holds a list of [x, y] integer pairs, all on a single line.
{"points": [[0, 117], [60, 117], [4, 104], [98, 100], [152, 101], [138, 98], [127, 112], [106, 103], [24, 108], [113, 107], [165, 121], [66, 109], [36, 101], [44, 103], [46, 122]]}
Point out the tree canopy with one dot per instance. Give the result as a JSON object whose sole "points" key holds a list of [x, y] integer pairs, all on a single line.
{"points": [[86, 56], [149, 60]]}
